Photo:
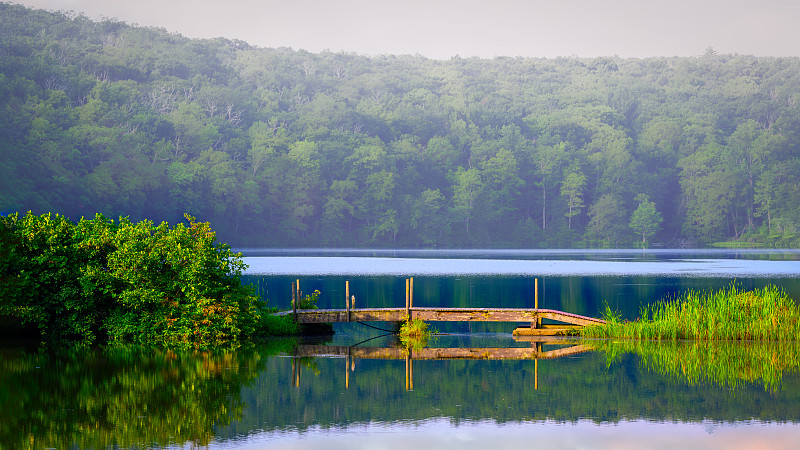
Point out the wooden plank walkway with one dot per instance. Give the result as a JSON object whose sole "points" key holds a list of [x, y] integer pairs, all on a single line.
{"points": [[569, 322], [433, 314]]}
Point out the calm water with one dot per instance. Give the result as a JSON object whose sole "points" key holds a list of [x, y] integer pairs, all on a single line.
{"points": [[292, 394], [578, 281]]}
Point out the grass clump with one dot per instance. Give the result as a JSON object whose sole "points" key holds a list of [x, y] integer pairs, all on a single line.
{"points": [[728, 314], [270, 324], [414, 333]]}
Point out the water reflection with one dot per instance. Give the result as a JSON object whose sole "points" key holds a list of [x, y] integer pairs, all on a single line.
{"points": [[120, 396], [541, 348], [727, 364], [287, 393], [340, 391]]}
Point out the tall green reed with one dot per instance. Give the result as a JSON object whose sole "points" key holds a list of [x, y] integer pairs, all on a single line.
{"points": [[727, 314]]}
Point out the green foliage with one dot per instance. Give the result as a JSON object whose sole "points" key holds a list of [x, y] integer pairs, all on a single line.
{"points": [[309, 301], [646, 220], [347, 150], [276, 325], [730, 313], [124, 282], [414, 333]]}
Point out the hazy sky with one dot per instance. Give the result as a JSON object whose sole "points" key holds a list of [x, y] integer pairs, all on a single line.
{"points": [[486, 28]]}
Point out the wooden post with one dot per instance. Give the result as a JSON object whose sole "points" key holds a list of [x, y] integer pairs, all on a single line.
{"points": [[411, 292], [347, 298], [294, 301], [408, 304], [410, 299], [537, 321]]}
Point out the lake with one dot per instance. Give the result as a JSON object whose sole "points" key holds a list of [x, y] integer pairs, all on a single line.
{"points": [[356, 389]]}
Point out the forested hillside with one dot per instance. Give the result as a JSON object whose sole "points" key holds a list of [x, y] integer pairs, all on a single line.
{"points": [[277, 147]]}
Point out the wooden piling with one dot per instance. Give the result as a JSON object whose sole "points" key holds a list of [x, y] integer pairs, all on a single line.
{"points": [[347, 298], [410, 298], [537, 322], [408, 303], [411, 289], [294, 301]]}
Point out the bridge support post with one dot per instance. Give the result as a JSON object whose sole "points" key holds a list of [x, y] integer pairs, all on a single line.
{"points": [[411, 293], [294, 301], [537, 321], [408, 302]]}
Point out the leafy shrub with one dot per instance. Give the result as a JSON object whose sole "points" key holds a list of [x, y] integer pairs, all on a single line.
{"points": [[309, 301], [123, 282]]}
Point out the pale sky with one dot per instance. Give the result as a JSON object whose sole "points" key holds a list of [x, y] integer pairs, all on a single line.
{"points": [[441, 29]]}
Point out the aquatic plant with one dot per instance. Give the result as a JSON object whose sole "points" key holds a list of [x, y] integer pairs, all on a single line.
{"points": [[730, 313], [414, 333], [270, 324]]}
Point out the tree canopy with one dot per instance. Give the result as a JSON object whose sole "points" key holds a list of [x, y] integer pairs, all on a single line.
{"points": [[282, 147]]}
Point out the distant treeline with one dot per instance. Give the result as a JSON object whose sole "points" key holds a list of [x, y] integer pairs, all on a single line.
{"points": [[278, 147]]}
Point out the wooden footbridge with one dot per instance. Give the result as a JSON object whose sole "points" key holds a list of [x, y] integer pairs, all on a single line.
{"points": [[569, 322]]}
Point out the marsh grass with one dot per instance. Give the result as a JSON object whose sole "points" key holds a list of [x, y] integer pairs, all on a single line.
{"points": [[724, 363], [414, 333], [272, 325], [728, 314]]}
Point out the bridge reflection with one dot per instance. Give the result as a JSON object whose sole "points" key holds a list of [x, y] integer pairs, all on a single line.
{"points": [[351, 353]]}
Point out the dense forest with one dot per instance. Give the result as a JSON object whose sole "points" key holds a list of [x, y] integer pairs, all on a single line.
{"points": [[279, 147]]}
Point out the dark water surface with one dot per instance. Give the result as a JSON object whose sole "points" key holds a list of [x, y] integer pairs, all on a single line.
{"points": [[327, 393]]}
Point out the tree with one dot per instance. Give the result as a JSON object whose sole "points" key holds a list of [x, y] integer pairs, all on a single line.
{"points": [[646, 220], [607, 220], [572, 188], [468, 187], [426, 217], [546, 160]]}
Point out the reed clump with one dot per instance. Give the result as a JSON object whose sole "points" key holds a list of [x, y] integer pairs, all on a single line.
{"points": [[731, 313], [414, 333]]}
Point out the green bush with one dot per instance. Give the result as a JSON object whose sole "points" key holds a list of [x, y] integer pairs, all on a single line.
{"points": [[125, 282]]}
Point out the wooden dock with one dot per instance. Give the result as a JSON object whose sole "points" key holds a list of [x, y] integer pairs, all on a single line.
{"points": [[569, 322], [428, 314]]}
